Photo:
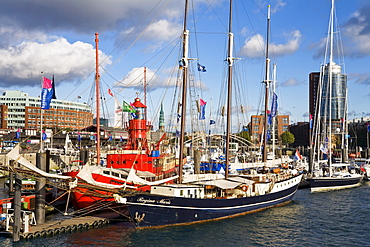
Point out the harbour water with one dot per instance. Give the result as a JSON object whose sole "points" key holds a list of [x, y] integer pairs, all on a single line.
{"points": [[337, 218]]}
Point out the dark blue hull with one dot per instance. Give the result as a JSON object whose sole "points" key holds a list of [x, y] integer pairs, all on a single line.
{"points": [[334, 183], [155, 210]]}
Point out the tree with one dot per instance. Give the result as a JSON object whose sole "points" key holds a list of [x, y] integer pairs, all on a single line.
{"points": [[287, 138], [245, 135]]}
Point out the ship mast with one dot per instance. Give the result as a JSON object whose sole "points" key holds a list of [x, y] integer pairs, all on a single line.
{"points": [[267, 81], [145, 93], [97, 79], [331, 63], [184, 63], [230, 61]]}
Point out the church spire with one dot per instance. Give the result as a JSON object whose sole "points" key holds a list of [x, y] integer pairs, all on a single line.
{"points": [[161, 118]]}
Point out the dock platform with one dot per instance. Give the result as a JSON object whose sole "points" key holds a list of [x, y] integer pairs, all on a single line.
{"points": [[65, 226]]}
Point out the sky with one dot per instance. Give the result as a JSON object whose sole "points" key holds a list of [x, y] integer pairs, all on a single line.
{"points": [[46, 38]]}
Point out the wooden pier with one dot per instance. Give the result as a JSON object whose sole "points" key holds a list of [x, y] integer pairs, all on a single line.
{"points": [[65, 226]]}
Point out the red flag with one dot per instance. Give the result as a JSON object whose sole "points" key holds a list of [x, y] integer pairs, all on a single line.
{"points": [[202, 102], [110, 92], [47, 83]]}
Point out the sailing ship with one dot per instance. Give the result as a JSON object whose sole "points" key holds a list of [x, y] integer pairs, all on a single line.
{"points": [[210, 198], [330, 124], [138, 165]]}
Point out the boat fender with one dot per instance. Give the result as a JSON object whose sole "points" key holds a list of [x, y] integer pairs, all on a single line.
{"points": [[244, 188]]}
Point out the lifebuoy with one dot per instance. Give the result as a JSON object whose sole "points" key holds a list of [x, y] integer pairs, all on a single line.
{"points": [[244, 188]]}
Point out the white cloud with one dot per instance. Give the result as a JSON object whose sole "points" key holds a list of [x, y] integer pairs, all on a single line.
{"points": [[23, 63], [135, 78], [357, 31], [291, 82], [255, 46], [277, 6], [163, 30], [359, 78], [155, 80]]}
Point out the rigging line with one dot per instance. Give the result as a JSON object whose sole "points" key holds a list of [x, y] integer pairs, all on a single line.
{"points": [[196, 43], [250, 22], [119, 44], [103, 99], [151, 84], [143, 64], [138, 37], [92, 72], [258, 8], [210, 6]]}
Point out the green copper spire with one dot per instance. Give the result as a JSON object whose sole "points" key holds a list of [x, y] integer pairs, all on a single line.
{"points": [[161, 118]]}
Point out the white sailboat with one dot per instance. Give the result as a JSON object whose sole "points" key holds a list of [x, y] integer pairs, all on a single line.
{"points": [[330, 124]]}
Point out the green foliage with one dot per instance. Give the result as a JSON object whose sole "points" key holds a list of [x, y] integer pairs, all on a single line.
{"points": [[245, 135], [287, 138]]}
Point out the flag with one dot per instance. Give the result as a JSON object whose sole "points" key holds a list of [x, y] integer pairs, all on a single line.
{"points": [[297, 155], [269, 119], [110, 137], [117, 106], [268, 135], [201, 68], [202, 114], [177, 133], [110, 92], [44, 136], [181, 64], [274, 105], [126, 107], [368, 128], [132, 106], [178, 118], [323, 149], [212, 122], [79, 137], [18, 134], [120, 138], [46, 93], [311, 121], [54, 95]]}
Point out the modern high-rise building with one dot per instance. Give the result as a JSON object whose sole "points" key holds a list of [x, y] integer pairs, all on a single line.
{"points": [[19, 110], [333, 95]]}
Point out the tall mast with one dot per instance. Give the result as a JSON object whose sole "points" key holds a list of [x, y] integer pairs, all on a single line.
{"points": [[145, 113], [267, 81], [230, 60], [184, 62], [97, 79], [273, 119], [331, 63]]}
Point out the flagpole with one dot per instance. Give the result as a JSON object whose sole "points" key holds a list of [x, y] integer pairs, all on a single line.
{"points": [[97, 80], [41, 118]]}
